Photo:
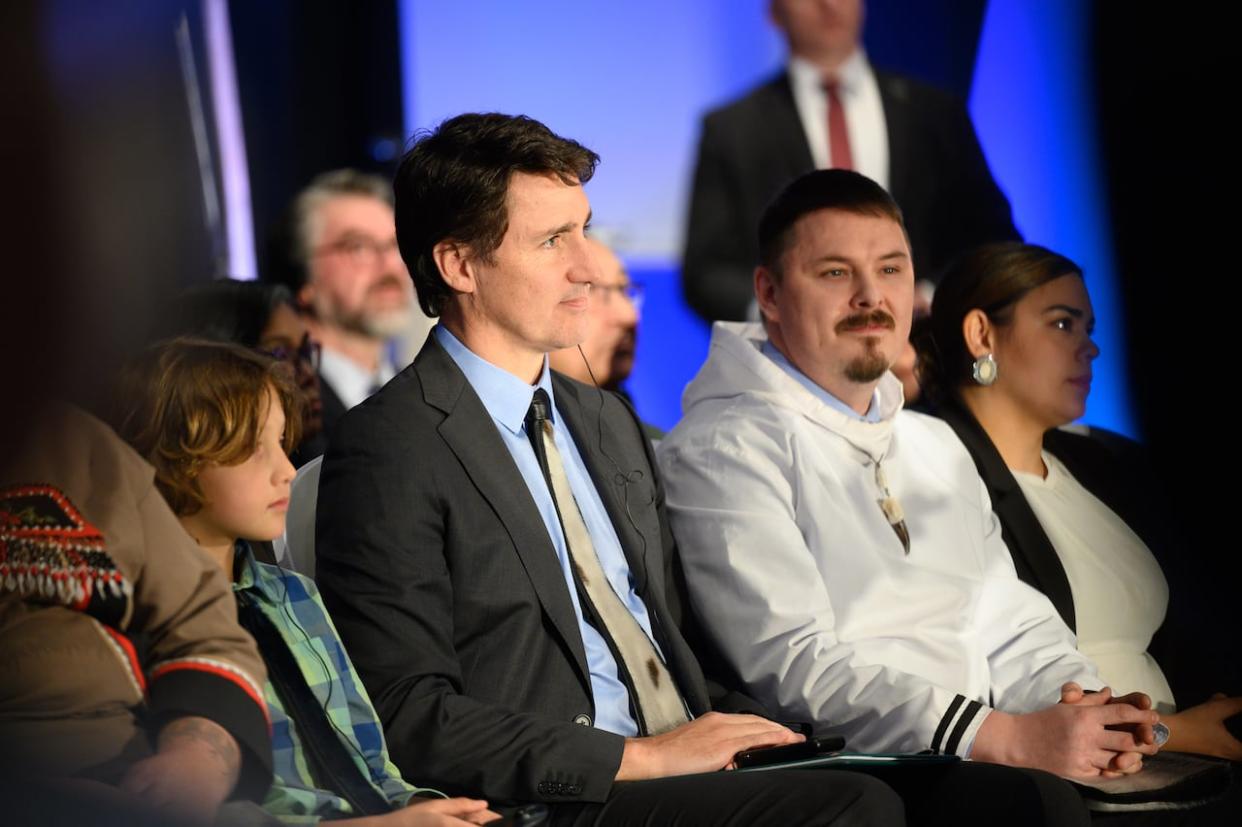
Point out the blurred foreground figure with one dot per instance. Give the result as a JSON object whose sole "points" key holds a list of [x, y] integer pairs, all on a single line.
{"points": [[122, 660]]}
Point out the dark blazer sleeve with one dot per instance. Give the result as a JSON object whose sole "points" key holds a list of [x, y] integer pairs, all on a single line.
{"points": [[386, 559], [1034, 556], [748, 150], [980, 211], [1116, 471], [1119, 472], [718, 265]]}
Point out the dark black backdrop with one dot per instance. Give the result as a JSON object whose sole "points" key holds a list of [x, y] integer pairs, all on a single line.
{"points": [[1166, 87]]}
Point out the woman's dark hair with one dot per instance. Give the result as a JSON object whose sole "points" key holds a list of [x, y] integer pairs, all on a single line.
{"points": [[454, 182], [225, 311], [992, 278]]}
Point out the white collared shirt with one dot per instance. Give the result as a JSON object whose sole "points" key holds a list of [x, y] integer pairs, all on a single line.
{"points": [[864, 114], [351, 383]]}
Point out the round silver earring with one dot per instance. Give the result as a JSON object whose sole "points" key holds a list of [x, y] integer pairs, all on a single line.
{"points": [[984, 369]]}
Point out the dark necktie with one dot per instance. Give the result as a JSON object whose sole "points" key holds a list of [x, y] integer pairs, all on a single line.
{"points": [[657, 699]]}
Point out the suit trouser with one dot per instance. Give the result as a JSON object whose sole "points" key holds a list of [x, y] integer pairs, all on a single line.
{"points": [[977, 793], [779, 798], [957, 794]]}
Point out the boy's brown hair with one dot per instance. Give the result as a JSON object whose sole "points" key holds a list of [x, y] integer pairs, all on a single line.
{"points": [[190, 403]]}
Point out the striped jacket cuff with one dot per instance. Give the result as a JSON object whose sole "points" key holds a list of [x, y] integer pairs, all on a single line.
{"points": [[956, 731], [220, 692]]}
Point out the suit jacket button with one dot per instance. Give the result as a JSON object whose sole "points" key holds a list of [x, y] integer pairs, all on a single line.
{"points": [[584, 720]]}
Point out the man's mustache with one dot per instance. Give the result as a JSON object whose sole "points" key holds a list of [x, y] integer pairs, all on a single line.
{"points": [[873, 318]]}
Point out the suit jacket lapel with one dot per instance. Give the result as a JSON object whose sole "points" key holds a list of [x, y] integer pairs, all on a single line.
{"points": [[469, 432], [586, 433], [638, 528], [894, 97], [783, 126], [1024, 535], [332, 407]]}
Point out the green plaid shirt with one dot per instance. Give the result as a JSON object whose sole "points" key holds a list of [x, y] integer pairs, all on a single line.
{"points": [[292, 604]]}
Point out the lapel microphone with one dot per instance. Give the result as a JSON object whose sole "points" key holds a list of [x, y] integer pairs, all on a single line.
{"points": [[621, 479]]}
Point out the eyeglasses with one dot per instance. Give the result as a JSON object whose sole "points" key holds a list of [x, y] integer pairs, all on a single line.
{"points": [[360, 250], [633, 292], [307, 354]]}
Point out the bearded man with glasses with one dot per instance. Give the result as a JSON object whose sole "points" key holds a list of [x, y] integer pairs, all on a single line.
{"points": [[342, 265]]}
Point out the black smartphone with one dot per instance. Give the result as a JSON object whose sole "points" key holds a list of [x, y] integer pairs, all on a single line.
{"points": [[800, 727], [526, 815], [810, 748]]}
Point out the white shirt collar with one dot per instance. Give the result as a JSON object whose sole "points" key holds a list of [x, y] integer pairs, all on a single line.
{"points": [[804, 75], [864, 109], [349, 381]]}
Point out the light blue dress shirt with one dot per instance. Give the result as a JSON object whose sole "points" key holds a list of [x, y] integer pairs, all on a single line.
{"points": [[507, 398], [873, 410]]}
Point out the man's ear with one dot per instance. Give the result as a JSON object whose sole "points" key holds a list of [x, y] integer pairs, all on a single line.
{"points": [[979, 333], [456, 265], [306, 296], [766, 289]]}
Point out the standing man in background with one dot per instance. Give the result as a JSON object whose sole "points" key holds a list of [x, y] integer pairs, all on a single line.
{"points": [[830, 109]]}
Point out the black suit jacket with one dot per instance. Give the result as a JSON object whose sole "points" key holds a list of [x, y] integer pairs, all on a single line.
{"points": [[446, 589], [330, 414], [333, 408], [1115, 470], [751, 148], [1033, 554]]}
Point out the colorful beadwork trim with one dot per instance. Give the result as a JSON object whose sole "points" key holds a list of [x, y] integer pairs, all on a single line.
{"points": [[50, 553]]}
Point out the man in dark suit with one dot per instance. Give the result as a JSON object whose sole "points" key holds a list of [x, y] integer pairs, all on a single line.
{"points": [[492, 541], [829, 108]]}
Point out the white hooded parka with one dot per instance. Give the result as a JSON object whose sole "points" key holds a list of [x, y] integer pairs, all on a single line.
{"points": [[796, 571]]}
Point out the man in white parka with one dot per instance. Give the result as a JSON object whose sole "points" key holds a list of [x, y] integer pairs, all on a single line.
{"points": [[842, 553]]}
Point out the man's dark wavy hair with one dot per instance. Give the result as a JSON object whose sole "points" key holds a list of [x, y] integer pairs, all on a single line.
{"points": [[454, 181]]}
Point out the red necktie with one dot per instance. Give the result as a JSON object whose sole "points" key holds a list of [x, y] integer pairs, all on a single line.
{"points": [[838, 134]]}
